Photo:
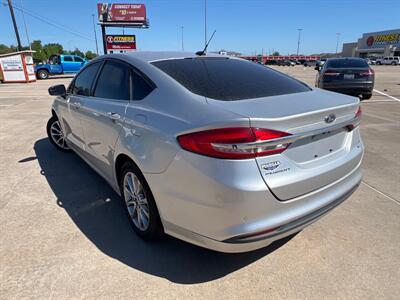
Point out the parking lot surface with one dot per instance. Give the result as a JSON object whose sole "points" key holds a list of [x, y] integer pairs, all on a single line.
{"points": [[64, 234]]}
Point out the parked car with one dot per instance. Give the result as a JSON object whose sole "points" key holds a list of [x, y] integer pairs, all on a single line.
{"points": [[271, 62], [310, 63], [286, 62], [214, 150], [389, 60], [321, 62], [351, 76], [60, 64]]}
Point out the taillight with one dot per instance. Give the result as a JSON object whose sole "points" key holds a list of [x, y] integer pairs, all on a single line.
{"points": [[357, 119], [370, 72], [331, 73], [358, 113], [233, 143]]}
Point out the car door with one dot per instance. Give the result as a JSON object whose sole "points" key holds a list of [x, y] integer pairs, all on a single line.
{"points": [[78, 63], [78, 92], [68, 63], [103, 114]]}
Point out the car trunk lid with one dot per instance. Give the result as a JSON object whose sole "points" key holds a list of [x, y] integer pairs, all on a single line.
{"points": [[322, 149]]}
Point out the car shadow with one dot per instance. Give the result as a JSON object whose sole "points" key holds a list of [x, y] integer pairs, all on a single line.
{"points": [[97, 211]]}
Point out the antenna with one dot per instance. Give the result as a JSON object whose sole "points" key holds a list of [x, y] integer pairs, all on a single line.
{"points": [[203, 52]]}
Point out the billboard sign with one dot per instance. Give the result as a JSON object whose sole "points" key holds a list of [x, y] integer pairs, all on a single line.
{"points": [[380, 39], [120, 42], [121, 13]]}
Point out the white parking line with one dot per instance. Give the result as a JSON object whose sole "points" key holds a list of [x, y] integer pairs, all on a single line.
{"points": [[391, 97], [379, 192], [375, 101]]}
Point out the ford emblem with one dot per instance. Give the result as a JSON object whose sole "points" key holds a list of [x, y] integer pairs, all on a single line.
{"points": [[330, 118], [271, 165]]}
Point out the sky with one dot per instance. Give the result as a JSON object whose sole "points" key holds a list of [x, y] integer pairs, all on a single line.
{"points": [[246, 26]]}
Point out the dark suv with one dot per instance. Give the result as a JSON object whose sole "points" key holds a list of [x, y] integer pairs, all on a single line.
{"points": [[351, 76]]}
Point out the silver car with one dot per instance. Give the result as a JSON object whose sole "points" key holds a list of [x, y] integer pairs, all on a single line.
{"points": [[214, 150]]}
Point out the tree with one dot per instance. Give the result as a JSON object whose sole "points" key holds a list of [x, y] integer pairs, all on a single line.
{"points": [[39, 55], [90, 55], [4, 49], [77, 52], [275, 53], [52, 49]]}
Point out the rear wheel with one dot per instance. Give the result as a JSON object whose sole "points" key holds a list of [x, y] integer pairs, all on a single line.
{"points": [[139, 203], [366, 96], [42, 74], [56, 134]]}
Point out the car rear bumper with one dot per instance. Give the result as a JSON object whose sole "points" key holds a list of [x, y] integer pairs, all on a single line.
{"points": [[245, 244], [351, 88], [226, 206]]}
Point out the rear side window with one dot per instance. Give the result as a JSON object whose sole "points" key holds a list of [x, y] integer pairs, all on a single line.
{"points": [[113, 82], [140, 87], [67, 58], [83, 81], [229, 79], [347, 63]]}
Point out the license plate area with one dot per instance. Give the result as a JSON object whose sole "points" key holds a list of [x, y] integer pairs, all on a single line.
{"points": [[348, 76], [317, 146]]}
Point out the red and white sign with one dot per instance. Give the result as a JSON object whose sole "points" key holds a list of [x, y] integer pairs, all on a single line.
{"points": [[124, 13], [121, 43], [17, 67]]}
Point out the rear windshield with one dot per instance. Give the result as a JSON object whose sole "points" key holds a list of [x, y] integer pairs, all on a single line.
{"points": [[229, 79], [347, 63]]}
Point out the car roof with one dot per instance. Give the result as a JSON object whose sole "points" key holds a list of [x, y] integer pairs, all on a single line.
{"points": [[345, 58], [149, 56]]}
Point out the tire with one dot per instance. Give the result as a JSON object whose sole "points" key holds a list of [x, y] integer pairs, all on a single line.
{"points": [[393, 63], [366, 96], [56, 135], [42, 74], [139, 203]]}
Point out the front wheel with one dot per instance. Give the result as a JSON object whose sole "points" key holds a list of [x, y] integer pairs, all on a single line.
{"points": [[139, 203], [56, 134]]}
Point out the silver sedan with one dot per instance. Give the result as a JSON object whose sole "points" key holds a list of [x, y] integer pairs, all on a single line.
{"points": [[214, 150]]}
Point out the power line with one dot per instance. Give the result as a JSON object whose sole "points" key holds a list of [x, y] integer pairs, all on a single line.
{"points": [[52, 23]]}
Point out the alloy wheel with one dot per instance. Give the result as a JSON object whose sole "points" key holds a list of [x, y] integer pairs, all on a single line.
{"points": [[136, 201], [57, 135]]}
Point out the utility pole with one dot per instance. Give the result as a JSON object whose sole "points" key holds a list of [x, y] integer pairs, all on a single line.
{"points": [[15, 25], [103, 34], [183, 48], [205, 23], [337, 41], [298, 40], [95, 35]]}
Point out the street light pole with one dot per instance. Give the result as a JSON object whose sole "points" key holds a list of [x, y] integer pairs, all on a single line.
{"points": [[337, 41], [15, 25], [95, 35], [183, 48], [26, 28], [298, 40]]}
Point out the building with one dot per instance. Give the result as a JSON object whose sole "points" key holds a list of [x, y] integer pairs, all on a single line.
{"points": [[381, 43], [225, 52]]}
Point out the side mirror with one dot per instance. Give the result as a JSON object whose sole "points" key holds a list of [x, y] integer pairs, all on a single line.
{"points": [[317, 68], [57, 90]]}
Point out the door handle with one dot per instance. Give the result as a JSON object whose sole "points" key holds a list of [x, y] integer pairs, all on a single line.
{"points": [[77, 105], [113, 115]]}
